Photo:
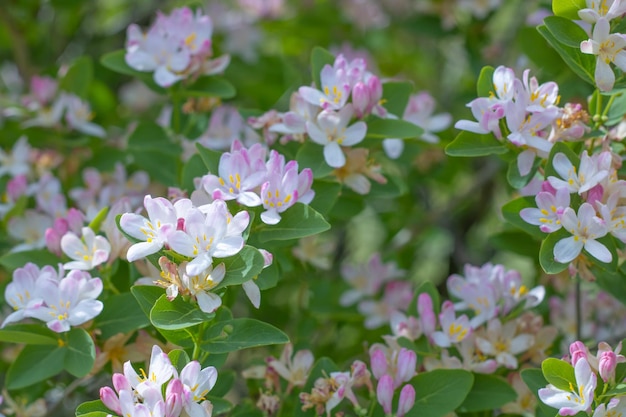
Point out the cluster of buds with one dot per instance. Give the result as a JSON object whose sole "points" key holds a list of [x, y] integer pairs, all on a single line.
{"points": [[177, 46], [392, 367], [144, 395]]}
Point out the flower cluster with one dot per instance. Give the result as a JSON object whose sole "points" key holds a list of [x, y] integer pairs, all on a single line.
{"points": [[492, 335], [162, 391], [532, 119], [608, 47], [393, 367], [51, 296], [175, 47], [48, 105], [581, 394], [246, 176], [583, 200]]}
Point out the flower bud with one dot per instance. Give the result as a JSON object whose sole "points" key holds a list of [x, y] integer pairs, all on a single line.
{"points": [[406, 401], [407, 360], [375, 88], [174, 395], [360, 99], [110, 400], [384, 392], [577, 351], [120, 382], [379, 363], [426, 313], [607, 364]]}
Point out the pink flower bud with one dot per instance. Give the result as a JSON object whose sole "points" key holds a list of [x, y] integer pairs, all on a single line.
{"points": [[545, 186], [426, 313], [406, 401], [407, 360], [577, 351], [379, 363], [607, 364], [375, 88], [75, 220], [120, 382], [360, 99], [595, 194], [16, 187], [110, 400], [384, 392], [174, 395]]}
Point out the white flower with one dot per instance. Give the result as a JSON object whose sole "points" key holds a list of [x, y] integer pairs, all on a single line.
{"points": [[88, 252], [578, 398], [585, 229], [609, 48]]}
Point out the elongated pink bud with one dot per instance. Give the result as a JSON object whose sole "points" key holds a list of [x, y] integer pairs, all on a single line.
{"points": [[607, 364], [379, 363], [406, 401], [407, 360], [577, 351], [426, 313], [110, 400], [360, 99], [384, 392]]}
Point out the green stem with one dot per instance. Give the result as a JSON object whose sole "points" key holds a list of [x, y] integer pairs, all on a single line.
{"points": [[607, 108]]}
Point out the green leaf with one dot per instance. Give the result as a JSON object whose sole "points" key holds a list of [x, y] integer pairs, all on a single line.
{"points": [[613, 283], [231, 335], [81, 352], [559, 373], [535, 381], [121, 314], [97, 221], [146, 296], [14, 260], [78, 77], [568, 8], [193, 168], [560, 147], [35, 363], [488, 393], [582, 64], [392, 128], [326, 195], [178, 358], [242, 267], [511, 211], [92, 409], [319, 58], [151, 136], [311, 155], [30, 334], [440, 392], [484, 86], [516, 242], [566, 31], [617, 109], [210, 86], [473, 144], [514, 177], [299, 220], [220, 405], [177, 314], [210, 158], [546, 253], [396, 95]]}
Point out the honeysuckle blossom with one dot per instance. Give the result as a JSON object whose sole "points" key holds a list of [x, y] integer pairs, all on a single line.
{"points": [[294, 368], [549, 210], [578, 398], [331, 130], [68, 302], [614, 216], [87, 251], [358, 170], [366, 279], [154, 231], [585, 228], [615, 407], [602, 9], [240, 172], [22, 293], [609, 48], [335, 89], [200, 287], [159, 372], [488, 117], [285, 187], [503, 342], [453, 329], [208, 234], [397, 297], [538, 97], [591, 171], [197, 383], [30, 230], [17, 161], [78, 115]]}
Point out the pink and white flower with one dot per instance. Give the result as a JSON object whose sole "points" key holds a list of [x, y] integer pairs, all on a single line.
{"points": [[87, 251], [585, 228], [609, 48], [549, 210], [579, 398]]}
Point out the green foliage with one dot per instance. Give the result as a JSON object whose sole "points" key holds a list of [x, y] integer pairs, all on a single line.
{"points": [[559, 373], [568, 8], [392, 128], [489, 392], [396, 96], [472, 144], [300, 220], [440, 392], [582, 64], [319, 58], [236, 334]]}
